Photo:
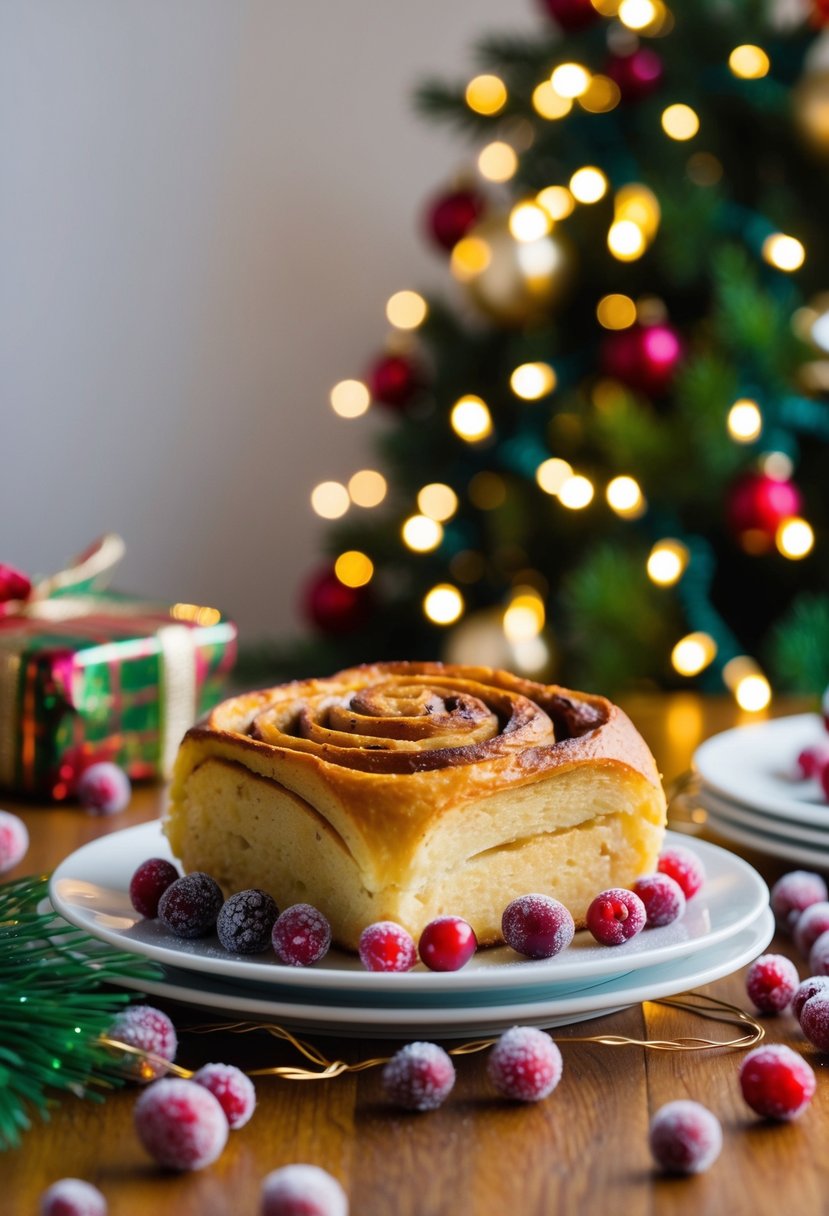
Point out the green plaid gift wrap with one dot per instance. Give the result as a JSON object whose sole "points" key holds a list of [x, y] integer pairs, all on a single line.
{"points": [[87, 675]]}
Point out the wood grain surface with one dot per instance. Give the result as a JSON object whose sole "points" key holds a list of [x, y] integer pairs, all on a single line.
{"points": [[583, 1150]]}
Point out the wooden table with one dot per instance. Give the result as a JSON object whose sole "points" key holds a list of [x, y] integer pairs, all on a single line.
{"points": [[583, 1150]]}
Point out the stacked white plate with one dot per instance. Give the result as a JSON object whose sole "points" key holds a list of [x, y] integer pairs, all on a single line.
{"points": [[753, 794], [725, 925]]}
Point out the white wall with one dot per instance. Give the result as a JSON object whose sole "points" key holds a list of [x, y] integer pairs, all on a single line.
{"points": [[204, 205]]}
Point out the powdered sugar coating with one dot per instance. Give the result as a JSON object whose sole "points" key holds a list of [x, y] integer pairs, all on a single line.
{"points": [[150, 1030], [232, 1089], [615, 916], [813, 921], [302, 1190], [525, 1064], [776, 1082], [819, 956], [180, 1124], [814, 1020], [387, 946], [419, 1077], [684, 867], [301, 935], [537, 926], [809, 988], [104, 789], [189, 907], [148, 884], [663, 897], [14, 841], [771, 982], [685, 1137], [246, 920], [72, 1197], [793, 893]]}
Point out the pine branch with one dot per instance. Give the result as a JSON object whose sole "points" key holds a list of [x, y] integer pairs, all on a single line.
{"points": [[798, 648]]}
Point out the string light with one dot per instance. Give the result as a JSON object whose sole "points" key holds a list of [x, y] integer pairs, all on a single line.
{"points": [[745, 422], [777, 465], [667, 562], [532, 380], [421, 533], [470, 419], [438, 501], [528, 222], [693, 653], [444, 604], [330, 499], [626, 240], [588, 185], [680, 122], [486, 95], [749, 62], [353, 568], [557, 201], [637, 14], [570, 79], [783, 252], [497, 162], [794, 538], [470, 257], [639, 204], [406, 310], [744, 679], [616, 311], [367, 488], [552, 474], [625, 497], [548, 103], [601, 95], [576, 492], [350, 398]]}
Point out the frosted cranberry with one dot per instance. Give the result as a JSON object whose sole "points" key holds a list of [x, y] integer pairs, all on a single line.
{"points": [[232, 1089], [814, 1020], [685, 1137], [813, 760], [189, 907], [419, 1077], [149, 1030], [615, 916], [684, 867], [663, 898], [819, 956], [246, 920], [805, 991], [525, 1064], [104, 789], [776, 1082], [823, 778], [301, 935], [72, 1197], [302, 1190], [14, 841], [386, 946], [793, 893], [447, 944], [537, 926], [813, 921], [771, 982], [148, 884], [181, 1125]]}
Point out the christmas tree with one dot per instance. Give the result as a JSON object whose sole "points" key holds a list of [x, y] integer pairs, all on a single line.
{"points": [[605, 452]]}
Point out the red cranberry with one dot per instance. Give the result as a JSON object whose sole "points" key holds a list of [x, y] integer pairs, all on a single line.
{"points": [[819, 956], [663, 898], [813, 921], [14, 841], [232, 1089], [104, 788], [180, 1124], [148, 1030], [447, 944], [72, 1197], [148, 884], [823, 777], [813, 760], [771, 982], [793, 893], [302, 1190], [814, 1020], [805, 991], [615, 916], [685, 1137], [301, 935], [386, 946], [419, 1077], [776, 1082], [537, 926], [190, 905], [684, 867], [246, 920], [525, 1064]]}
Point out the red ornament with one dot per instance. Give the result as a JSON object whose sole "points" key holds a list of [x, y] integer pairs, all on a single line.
{"points": [[394, 380], [450, 216], [820, 12], [756, 506], [644, 357], [571, 14], [638, 74], [14, 585], [333, 607]]}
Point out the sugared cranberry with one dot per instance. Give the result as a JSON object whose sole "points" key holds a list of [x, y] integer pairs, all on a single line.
{"points": [[813, 760], [447, 944], [685, 1137], [419, 1077], [386, 946], [148, 884], [246, 920], [104, 789], [776, 1082], [14, 841], [793, 893], [72, 1197], [814, 1020], [147, 1029], [813, 921], [537, 926], [301, 935], [819, 956], [181, 1125], [684, 867], [525, 1064], [232, 1089], [302, 1190], [823, 778], [771, 982], [805, 991], [189, 907], [663, 898], [615, 916]]}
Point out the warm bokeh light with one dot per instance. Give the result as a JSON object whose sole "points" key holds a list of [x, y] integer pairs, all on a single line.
{"points": [[778, 465], [753, 693], [637, 14], [570, 79], [498, 161], [406, 310], [552, 474], [528, 222], [443, 605], [421, 533], [470, 257], [201, 614], [532, 380], [667, 561], [486, 94], [550, 104], [744, 422], [749, 62], [438, 501], [350, 398], [783, 252], [576, 492], [601, 95], [616, 311], [588, 185], [693, 653], [524, 616], [353, 568], [794, 538], [557, 201], [487, 490], [638, 203], [471, 419], [367, 488], [330, 499], [626, 241], [625, 497], [680, 122]]}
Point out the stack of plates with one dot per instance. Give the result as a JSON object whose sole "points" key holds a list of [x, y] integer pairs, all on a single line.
{"points": [[726, 925], [752, 793]]}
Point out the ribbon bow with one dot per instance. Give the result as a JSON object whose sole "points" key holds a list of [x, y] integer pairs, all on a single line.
{"points": [[89, 571]]}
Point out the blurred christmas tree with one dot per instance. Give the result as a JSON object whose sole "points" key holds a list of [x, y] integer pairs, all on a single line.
{"points": [[607, 459]]}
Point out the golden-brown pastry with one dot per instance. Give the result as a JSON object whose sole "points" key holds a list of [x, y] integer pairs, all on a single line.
{"points": [[406, 791]]}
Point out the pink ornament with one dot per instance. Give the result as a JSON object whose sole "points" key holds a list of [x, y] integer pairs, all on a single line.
{"points": [[757, 504], [393, 380], [638, 74], [334, 608], [180, 1124], [14, 841], [571, 15], [644, 357], [525, 1064]]}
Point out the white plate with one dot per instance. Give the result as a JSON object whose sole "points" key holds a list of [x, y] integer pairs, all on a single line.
{"points": [[760, 821], [772, 846], [90, 889], [366, 1021], [757, 766]]}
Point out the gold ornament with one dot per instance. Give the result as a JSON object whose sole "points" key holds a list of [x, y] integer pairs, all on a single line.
{"points": [[810, 104]]}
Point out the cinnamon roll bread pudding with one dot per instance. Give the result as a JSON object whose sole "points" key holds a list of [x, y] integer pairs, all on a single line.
{"points": [[406, 791]]}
